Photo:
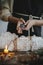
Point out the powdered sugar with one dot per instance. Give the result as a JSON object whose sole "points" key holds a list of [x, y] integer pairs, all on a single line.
{"points": [[6, 39]]}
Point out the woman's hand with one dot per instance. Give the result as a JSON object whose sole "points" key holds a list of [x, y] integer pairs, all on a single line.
{"points": [[29, 24], [19, 29]]}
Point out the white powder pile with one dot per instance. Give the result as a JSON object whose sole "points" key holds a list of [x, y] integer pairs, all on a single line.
{"points": [[6, 39], [23, 43], [37, 43]]}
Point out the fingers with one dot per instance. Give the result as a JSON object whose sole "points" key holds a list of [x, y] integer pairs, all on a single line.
{"points": [[18, 25], [29, 24], [26, 22], [19, 30], [22, 20]]}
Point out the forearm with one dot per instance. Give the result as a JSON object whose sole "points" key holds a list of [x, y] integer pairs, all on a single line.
{"points": [[13, 19], [10, 19], [39, 22], [7, 16]]}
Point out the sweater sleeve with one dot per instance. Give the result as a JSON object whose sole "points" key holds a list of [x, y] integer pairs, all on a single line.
{"points": [[5, 10]]}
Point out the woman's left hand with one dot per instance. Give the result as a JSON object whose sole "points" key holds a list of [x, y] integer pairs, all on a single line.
{"points": [[29, 24]]}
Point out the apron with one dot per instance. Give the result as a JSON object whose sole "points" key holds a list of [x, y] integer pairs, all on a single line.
{"points": [[26, 7]]}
